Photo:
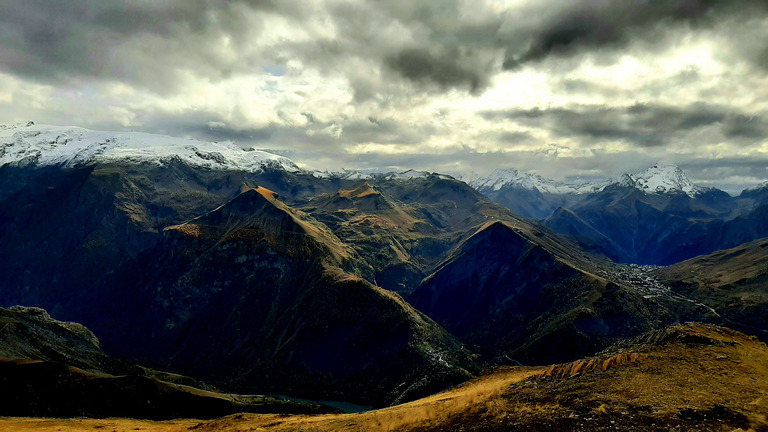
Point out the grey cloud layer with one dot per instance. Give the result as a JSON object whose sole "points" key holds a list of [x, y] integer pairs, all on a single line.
{"points": [[144, 43], [596, 24], [644, 125], [387, 62], [149, 43]]}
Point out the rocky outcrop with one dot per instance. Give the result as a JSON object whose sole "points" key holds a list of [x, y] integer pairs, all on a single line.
{"points": [[579, 367]]}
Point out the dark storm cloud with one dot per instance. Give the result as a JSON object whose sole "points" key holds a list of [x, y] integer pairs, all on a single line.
{"points": [[429, 44], [746, 126], [203, 125], [732, 174], [138, 42], [313, 136], [744, 165], [590, 25], [385, 131], [149, 43], [644, 125], [514, 137], [444, 70], [222, 132]]}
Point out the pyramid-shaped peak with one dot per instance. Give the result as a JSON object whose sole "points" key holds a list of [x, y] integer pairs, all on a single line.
{"points": [[360, 192], [662, 178]]}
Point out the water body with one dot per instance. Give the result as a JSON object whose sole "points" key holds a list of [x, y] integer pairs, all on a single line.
{"points": [[346, 407]]}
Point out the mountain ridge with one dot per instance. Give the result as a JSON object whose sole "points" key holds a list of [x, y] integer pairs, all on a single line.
{"points": [[658, 179], [42, 145]]}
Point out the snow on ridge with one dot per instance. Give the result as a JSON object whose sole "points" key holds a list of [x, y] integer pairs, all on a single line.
{"points": [[658, 179], [661, 178], [30, 144], [763, 185], [407, 175], [510, 177], [344, 174], [414, 174], [17, 125]]}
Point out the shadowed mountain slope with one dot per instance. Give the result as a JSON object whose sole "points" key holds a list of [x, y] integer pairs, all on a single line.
{"points": [[404, 227], [519, 292], [251, 294], [656, 217], [255, 295], [53, 368]]}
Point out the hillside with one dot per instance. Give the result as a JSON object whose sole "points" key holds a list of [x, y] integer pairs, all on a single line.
{"points": [[689, 377], [50, 368], [519, 293], [289, 296], [734, 282], [404, 226], [260, 277], [204, 247]]}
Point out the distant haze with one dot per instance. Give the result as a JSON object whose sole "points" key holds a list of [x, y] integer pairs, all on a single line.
{"points": [[565, 89]]}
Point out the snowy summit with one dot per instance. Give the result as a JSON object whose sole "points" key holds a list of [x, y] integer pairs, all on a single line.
{"points": [[661, 178], [658, 179], [39, 145]]}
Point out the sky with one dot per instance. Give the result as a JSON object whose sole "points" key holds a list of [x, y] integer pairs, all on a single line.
{"points": [[574, 89]]}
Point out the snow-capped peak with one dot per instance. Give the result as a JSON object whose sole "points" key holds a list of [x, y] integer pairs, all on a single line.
{"points": [[510, 177], [413, 174], [39, 145], [661, 178], [344, 174], [763, 185]]}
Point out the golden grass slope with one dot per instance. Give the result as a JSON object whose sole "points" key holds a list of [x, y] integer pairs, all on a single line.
{"points": [[690, 377]]}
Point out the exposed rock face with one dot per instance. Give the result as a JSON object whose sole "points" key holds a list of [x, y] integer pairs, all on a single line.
{"points": [[573, 369], [31, 334]]}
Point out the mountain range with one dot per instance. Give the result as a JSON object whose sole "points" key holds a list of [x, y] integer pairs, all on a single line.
{"points": [[240, 268], [656, 217]]}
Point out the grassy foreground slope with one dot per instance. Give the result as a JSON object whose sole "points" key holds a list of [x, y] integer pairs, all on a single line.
{"points": [[691, 377]]}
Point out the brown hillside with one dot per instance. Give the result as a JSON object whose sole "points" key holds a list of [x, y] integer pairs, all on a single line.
{"points": [[733, 282], [691, 377]]}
